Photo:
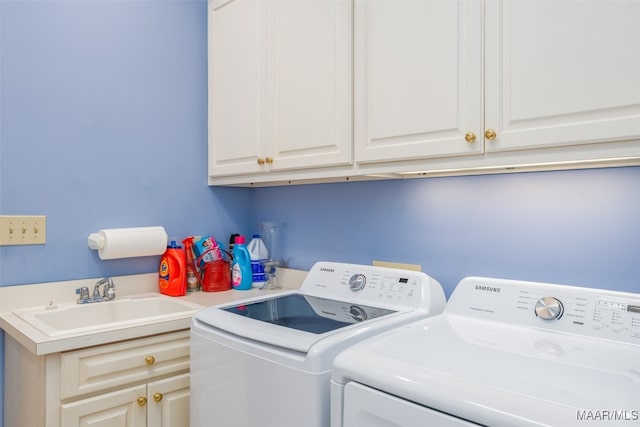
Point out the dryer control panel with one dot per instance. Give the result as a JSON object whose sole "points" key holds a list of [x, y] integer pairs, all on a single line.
{"points": [[584, 311], [377, 286]]}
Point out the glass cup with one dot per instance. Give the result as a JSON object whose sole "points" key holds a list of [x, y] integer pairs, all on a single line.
{"points": [[271, 233]]}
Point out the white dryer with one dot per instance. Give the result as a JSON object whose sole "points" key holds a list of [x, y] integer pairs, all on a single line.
{"points": [[266, 361], [504, 353]]}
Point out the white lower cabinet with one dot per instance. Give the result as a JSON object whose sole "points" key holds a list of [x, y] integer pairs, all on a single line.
{"points": [[118, 408], [141, 382], [163, 403]]}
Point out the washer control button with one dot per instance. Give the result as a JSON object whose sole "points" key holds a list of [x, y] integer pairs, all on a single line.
{"points": [[357, 282], [549, 308]]}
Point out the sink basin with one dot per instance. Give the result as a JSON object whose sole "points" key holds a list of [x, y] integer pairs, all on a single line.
{"points": [[75, 318]]}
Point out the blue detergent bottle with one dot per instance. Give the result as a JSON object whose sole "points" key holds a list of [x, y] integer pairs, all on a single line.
{"points": [[241, 274]]}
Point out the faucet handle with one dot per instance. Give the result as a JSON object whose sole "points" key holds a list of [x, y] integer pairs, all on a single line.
{"points": [[96, 291], [109, 291], [83, 293]]}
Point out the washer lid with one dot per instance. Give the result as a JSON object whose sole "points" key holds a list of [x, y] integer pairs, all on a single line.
{"points": [[499, 375], [293, 320]]}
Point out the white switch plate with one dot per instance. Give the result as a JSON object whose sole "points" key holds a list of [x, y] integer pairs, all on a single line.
{"points": [[23, 230]]}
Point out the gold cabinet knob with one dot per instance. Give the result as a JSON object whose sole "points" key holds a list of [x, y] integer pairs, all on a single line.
{"points": [[142, 401], [269, 160], [149, 360], [490, 134], [157, 397], [260, 161], [470, 137]]}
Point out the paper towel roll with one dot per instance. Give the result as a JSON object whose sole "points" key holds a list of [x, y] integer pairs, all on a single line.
{"points": [[129, 242]]}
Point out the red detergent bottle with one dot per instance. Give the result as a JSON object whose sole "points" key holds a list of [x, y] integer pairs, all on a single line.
{"points": [[173, 271]]}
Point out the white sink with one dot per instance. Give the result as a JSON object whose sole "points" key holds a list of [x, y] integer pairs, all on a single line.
{"points": [[75, 318]]}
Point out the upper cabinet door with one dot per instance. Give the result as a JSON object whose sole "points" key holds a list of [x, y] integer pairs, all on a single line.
{"points": [[309, 49], [417, 79], [562, 72], [280, 84], [237, 35]]}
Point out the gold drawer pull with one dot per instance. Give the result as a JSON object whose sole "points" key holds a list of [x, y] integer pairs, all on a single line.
{"points": [[142, 401], [490, 134], [157, 397], [260, 161], [149, 360], [269, 160], [470, 137]]}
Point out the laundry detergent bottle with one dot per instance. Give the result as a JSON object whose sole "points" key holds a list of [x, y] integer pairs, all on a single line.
{"points": [[241, 274], [173, 271], [259, 256]]}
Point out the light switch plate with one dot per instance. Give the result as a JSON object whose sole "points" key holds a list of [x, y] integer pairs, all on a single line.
{"points": [[23, 230]]}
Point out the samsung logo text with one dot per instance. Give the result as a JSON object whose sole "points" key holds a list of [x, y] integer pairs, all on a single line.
{"points": [[487, 288]]}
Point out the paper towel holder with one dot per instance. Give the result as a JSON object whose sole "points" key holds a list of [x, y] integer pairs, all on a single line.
{"points": [[114, 243], [96, 241]]}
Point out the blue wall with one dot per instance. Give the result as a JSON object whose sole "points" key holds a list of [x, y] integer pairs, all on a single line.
{"points": [[571, 227], [103, 124]]}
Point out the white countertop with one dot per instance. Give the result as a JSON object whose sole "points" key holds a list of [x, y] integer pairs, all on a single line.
{"points": [[25, 296]]}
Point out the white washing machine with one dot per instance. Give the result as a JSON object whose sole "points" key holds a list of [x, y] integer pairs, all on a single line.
{"points": [[503, 353], [266, 361]]}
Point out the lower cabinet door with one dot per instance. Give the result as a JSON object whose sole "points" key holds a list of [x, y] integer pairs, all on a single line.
{"points": [[125, 408], [169, 402]]}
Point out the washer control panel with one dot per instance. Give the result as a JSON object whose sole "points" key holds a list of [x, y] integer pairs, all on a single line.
{"points": [[372, 285], [383, 285], [584, 311]]}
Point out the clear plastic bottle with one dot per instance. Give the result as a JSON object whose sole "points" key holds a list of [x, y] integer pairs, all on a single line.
{"points": [[241, 276], [259, 256]]}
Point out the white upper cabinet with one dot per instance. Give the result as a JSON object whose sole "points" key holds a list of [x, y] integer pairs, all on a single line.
{"points": [[279, 85], [327, 90], [309, 83], [561, 73], [417, 79], [237, 97], [507, 75]]}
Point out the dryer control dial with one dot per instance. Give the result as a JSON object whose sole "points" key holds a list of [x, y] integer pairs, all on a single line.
{"points": [[357, 282], [549, 308]]}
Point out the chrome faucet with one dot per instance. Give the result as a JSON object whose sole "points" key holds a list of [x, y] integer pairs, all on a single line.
{"points": [[108, 292]]}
